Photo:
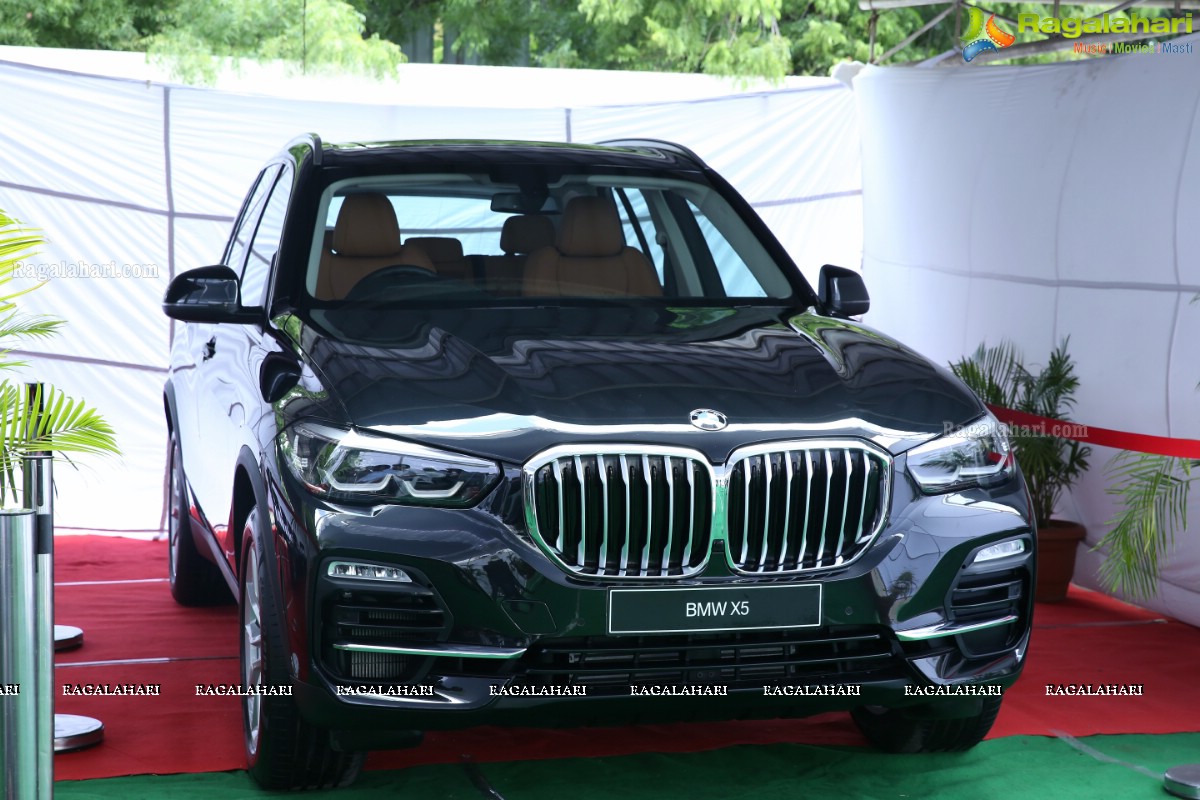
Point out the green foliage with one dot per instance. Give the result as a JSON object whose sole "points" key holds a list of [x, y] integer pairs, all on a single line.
{"points": [[94, 24], [49, 421], [318, 35], [745, 38], [1051, 464], [1153, 493], [719, 37]]}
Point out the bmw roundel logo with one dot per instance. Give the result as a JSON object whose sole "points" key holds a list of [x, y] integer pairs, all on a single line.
{"points": [[708, 420]]}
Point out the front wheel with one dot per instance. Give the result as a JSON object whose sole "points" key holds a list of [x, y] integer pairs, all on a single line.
{"points": [[896, 730], [282, 750]]}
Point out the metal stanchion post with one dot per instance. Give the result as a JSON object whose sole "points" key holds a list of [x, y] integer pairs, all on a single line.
{"points": [[39, 489], [55, 732], [18, 658]]}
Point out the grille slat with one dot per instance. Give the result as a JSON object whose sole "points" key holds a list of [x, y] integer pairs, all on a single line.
{"points": [[562, 520], [668, 473], [766, 517], [581, 477], [636, 512], [649, 514], [787, 510], [849, 470], [825, 507], [692, 527], [808, 479]]}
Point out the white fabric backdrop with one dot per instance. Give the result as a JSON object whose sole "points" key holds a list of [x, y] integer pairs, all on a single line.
{"points": [[1036, 202], [145, 173]]}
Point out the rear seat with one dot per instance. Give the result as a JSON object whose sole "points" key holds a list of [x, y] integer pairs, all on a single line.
{"points": [[520, 236], [446, 253]]}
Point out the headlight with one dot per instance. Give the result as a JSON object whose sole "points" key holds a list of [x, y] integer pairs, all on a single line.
{"points": [[358, 467], [977, 454]]}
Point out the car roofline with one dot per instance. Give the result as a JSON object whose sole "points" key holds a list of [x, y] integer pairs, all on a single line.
{"points": [[312, 142]]}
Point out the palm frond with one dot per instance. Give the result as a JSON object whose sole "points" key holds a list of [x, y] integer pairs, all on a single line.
{"points": [[993, 373], [1153, 492], [49, 421], [24, 326], [17, 243]]}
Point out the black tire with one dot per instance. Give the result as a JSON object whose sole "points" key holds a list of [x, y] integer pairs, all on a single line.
{"points": [[282, 750], [900, 731], [195, 581]]}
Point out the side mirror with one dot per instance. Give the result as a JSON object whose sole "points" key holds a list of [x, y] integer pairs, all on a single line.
{"points": [[842, 292], [207, 294]]}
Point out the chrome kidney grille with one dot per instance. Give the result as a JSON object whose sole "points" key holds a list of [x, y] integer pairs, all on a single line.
{"points": [[795, 509], [623, 514], [654, 512]]}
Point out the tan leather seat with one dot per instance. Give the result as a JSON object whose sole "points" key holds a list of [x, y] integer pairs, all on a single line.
{"points": [[446, 253], [366, 238], [521, 235], [590, 257]]}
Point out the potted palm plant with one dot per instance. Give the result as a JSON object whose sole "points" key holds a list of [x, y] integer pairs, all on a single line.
{"points": [[1051, 464], [46, 420]]}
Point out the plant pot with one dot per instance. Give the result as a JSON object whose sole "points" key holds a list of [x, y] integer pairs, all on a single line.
{"points": [[1057, 543]]}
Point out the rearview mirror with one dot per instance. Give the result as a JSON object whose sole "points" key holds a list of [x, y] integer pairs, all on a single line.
{"points": [[842, 292], [518, 202], [207, 294]]}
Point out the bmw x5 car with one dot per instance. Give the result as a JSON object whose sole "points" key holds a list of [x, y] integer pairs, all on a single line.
{"points": [[538, 434]]}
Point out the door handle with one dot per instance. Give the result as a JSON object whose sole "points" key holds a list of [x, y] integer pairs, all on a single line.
{"points": [[210, 349]]}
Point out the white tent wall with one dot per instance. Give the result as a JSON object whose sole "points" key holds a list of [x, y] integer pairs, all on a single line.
{"points": [[1031, 203], [138, 178]]}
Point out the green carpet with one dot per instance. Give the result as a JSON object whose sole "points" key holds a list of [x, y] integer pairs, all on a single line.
{"points": [[1013, 768]]}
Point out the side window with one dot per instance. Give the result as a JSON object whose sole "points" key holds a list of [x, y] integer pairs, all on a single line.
{"points": [[736, 277], [239, 243], [265, 243]]}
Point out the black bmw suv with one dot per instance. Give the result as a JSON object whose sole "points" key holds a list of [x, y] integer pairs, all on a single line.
{"points": [[550, 434]]}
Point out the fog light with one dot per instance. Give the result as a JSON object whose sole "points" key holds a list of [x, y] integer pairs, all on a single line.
{"points": [[1002, 550], [367, 572]]}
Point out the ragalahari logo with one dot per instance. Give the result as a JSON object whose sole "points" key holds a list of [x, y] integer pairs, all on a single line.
{"points": [[982, 35]]}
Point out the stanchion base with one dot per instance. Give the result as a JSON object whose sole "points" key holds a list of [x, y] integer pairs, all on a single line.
{"points": [[67, 637], [73, 732], [1183, 781]]}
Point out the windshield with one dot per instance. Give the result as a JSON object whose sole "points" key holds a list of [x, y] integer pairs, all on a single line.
{"points": [[472, 239]]}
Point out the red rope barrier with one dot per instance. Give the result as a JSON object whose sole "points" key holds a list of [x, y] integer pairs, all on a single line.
{"points": [[1104, 437]]}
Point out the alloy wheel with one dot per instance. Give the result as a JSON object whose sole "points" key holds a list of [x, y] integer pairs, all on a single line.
{"points": [[252, 648]]}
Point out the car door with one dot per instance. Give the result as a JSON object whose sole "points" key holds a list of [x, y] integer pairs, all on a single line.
{"points": [[215, 349]]}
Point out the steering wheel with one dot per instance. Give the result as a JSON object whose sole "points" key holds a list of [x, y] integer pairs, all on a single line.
{"points": [[390, 278]]}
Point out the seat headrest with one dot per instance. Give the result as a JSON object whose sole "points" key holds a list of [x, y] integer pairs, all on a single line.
{"points": [[525, 233], [366, 227], [438, 248], [590, 228]]}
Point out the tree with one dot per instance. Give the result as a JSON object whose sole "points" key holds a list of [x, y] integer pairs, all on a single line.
{"points": [[719, 37], [320, 35], [86, 24]]}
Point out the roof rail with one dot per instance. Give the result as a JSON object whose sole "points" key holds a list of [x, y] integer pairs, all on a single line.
{"points": [[660, 144], [310, 140]]}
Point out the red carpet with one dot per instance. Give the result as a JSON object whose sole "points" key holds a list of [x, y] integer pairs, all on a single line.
{"points": [[1088, 639]]}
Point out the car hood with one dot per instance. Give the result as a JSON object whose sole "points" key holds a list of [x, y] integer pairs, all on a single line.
{"points": [[507, 383]]}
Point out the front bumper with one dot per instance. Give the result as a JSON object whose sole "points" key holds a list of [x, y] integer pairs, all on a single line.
{"points": [[490, 631]]}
